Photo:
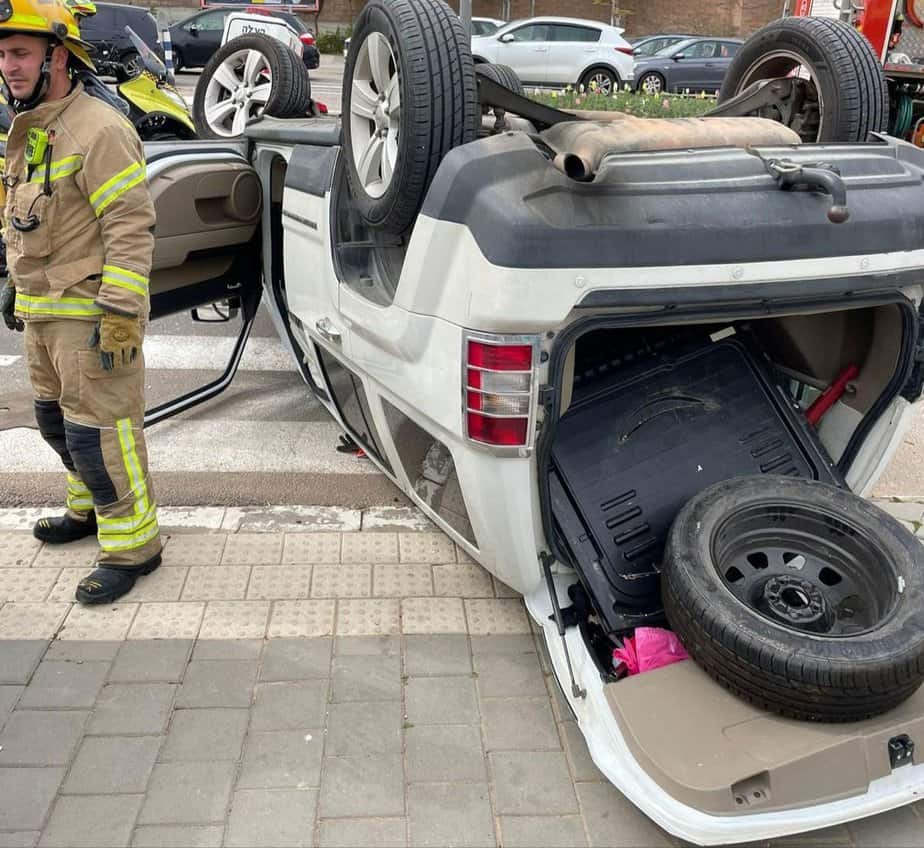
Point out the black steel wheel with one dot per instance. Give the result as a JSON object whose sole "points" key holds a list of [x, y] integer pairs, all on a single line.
{"points": [[798, 596]]}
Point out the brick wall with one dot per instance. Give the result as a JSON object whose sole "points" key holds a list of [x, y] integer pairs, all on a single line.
{"points": [[709, 17]]}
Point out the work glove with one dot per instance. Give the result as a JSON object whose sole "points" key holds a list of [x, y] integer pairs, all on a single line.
{"points": [[118, 338], [8, 305]]}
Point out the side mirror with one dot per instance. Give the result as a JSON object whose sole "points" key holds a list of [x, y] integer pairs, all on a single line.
{"points": [[678, 56], [636, 52], [506, 38], [194, 29]]}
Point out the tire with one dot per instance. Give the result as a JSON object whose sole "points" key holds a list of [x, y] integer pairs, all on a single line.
{"points": [[425, 62], [607, 80], [128, 66], [854, 96], [503, 75], [746, 563], [652, 83], [178, 64], [275, 70]]}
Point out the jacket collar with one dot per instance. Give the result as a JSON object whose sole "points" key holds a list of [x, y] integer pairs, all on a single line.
{"points": [[48, 110]]}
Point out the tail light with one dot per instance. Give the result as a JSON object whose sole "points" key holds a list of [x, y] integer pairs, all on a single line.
{"points": [[629, 51], [306, 38], [499, 390]]}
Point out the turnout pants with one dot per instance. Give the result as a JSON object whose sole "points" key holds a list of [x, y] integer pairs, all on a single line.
{"points": [[93, 419]]}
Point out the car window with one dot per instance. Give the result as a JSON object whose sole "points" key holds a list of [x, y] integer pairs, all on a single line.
{"points": [[209, 21], [701, 50], [727, 49], [97, 25], [568, 32], [483, 28], [531, 32]]}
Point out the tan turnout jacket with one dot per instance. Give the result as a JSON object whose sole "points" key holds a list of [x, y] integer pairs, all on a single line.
{"points": [[93, 247]]}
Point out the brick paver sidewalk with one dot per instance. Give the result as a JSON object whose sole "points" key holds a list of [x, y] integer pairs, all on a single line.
{"points": [[299, 677]]}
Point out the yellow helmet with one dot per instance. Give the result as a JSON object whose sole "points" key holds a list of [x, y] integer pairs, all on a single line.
{"points": [[52, 18]]}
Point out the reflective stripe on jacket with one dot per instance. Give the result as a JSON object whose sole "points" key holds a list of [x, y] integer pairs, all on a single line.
{"points": [[93, 246]]}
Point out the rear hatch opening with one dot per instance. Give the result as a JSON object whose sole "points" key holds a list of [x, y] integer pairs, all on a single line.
{"points": [[643, 415]]}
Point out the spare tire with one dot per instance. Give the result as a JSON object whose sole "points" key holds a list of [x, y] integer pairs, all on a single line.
{"points": [[848, 93], [800, 597], [247, 77], [408, 99]]}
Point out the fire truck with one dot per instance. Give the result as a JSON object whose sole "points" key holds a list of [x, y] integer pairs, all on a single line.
{"points": [[835, 70]]}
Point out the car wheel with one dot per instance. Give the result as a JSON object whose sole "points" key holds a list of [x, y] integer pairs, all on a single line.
{"points": [[651, 83], [847, 95], [409, 97], [248, 77], [800, 597], [178, 63], [601, 80], [129, 66]]}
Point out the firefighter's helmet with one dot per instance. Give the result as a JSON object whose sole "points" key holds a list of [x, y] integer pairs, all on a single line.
{"points": [[52, 18]]}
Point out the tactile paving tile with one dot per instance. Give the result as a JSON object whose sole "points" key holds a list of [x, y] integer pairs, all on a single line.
{"points": [[66, 584], [369, 547], [17, 549], [368, 617], [502, 590], [462, 581], [302, 548], [402, 581], [341, 581], [165, 584], [279, 582], [426, 547], [110, 622], [80, 554], [26, 584], [432, 615], [235, 620], [167, 621], [194, 549], [31, 621], [216, 583], [497, 616], [252, 549], [292, 619], [462, 555]]}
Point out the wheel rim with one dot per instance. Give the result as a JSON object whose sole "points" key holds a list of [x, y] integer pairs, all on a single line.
{"points": [[375, 114], [133, 66], [603, 81], [805, 570], [651, 84], [237, 92], [807, 120]]}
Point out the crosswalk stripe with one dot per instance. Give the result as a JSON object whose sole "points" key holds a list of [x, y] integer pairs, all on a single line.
{"points": [[6, 360], [207, 352]]}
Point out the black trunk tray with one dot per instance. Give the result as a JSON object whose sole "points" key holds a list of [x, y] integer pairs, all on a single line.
{"points": [[627, 457]]}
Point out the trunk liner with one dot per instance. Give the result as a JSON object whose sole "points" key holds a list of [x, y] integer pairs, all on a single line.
{"points": [[628, 456]]}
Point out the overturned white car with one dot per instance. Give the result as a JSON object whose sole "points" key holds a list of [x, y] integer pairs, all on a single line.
{"points": [[640, 370]]}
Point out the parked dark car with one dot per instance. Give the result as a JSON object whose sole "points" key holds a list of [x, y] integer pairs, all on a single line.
{"points": [[696, 64], [196, 38], [113, 52], [644, 46]]}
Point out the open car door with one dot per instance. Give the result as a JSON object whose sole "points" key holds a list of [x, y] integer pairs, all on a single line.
{"points": [[207, 246]]}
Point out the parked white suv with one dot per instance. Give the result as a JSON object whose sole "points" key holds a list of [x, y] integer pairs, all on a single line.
{"points": [[554, 52]]}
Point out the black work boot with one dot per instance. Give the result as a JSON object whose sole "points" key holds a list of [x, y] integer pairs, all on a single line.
{"points": [[106, 583], [62, 529]]}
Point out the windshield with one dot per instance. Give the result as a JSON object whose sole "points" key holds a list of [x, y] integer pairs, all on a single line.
{"points": [[148, 56]]}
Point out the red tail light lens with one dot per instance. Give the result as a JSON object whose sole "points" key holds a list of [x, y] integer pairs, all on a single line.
{"points": [[503, 432], [498, 392], [629, 51], [306, 38]]}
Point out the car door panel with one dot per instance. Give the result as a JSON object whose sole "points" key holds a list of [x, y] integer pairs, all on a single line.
{"points": [[571, 49], [528, 54]]}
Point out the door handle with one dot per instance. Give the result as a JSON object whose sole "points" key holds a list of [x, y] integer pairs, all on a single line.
{"points": [[541, 49], [326, 330]]}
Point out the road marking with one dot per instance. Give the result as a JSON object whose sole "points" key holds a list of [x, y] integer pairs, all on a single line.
{"points": [[7, 359], [180, 353]]}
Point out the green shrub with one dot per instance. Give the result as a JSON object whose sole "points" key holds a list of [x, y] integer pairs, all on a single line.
{"points": [[631, 102], [332, 42]]}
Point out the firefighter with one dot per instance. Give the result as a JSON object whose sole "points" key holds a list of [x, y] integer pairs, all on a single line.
{"points": [[78, 223]]}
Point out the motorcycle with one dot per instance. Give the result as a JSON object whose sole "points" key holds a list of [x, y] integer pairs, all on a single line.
{"points": [[149, 99]]}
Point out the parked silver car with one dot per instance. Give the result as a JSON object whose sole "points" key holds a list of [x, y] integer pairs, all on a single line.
{"points": [[549, 51]]}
